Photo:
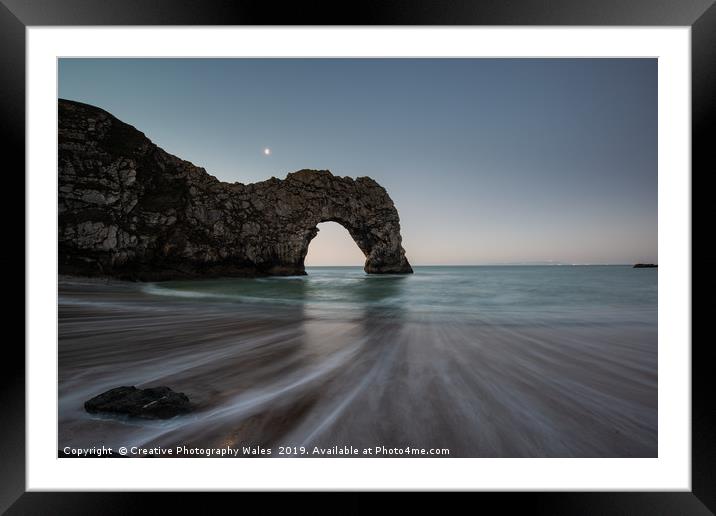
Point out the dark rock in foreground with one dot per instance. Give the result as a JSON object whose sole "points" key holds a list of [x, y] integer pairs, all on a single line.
{"points": [[645, 266], [129, 210], [152, 403]]}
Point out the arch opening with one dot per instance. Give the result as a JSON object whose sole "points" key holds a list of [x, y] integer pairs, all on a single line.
{"points": [[333, 245]]}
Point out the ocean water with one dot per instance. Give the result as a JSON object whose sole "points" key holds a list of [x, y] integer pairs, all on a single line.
{"points": [[508, 361], [497, 294]]}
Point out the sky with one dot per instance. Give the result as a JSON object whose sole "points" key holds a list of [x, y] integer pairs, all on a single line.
{"points": [[488, 161]]}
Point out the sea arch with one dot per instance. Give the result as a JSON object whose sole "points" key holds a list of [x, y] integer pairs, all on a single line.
{"points": [[129, 209], [362, 207]]}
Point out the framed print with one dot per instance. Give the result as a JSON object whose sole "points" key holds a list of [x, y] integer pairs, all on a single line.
{"points": [[427, 248]]}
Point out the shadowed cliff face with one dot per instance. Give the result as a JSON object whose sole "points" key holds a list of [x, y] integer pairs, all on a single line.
{"points": [[130, 210]]}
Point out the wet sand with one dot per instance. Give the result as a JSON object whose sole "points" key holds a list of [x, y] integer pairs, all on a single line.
{"points": [[270, 375]]}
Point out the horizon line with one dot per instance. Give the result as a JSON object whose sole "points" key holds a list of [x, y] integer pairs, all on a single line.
{"points": [[507, 265]]}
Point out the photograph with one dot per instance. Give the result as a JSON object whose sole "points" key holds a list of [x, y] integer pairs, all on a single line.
{"points": [[357, 257], [411, 247]]}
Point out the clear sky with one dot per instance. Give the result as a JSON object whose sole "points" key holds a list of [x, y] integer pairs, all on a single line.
{"points": [[487, 160]]}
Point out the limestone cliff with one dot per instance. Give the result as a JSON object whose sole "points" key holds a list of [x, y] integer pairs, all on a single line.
{"points": [[130, 210]]}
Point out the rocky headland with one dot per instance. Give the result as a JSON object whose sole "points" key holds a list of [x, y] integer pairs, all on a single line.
{"points": [[130, 210]]}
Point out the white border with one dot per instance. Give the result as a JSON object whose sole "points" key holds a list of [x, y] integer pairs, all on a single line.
{"points": [[671, 471]]}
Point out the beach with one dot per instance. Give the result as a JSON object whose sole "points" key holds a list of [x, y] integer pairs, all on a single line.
{"points": [[480, 361]]}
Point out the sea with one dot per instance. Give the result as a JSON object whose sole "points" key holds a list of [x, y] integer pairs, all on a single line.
{"points": [[471, 361]]}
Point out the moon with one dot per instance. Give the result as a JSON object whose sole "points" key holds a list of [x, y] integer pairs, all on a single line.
{"points": [[267, 151]]}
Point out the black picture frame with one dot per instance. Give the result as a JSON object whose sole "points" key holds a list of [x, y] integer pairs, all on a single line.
{"points": [[700, 15]]}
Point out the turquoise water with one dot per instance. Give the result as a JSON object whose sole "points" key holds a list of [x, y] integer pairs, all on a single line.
{"points": [[504, 294], [548, 361]]}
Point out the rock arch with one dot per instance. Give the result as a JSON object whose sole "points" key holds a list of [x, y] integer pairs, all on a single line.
{"points": [[333, 246], [131, 210], [361, 206]]}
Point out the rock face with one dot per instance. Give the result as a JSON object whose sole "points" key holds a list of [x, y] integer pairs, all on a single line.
{"points": [[130, 210], [152, 403]]}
